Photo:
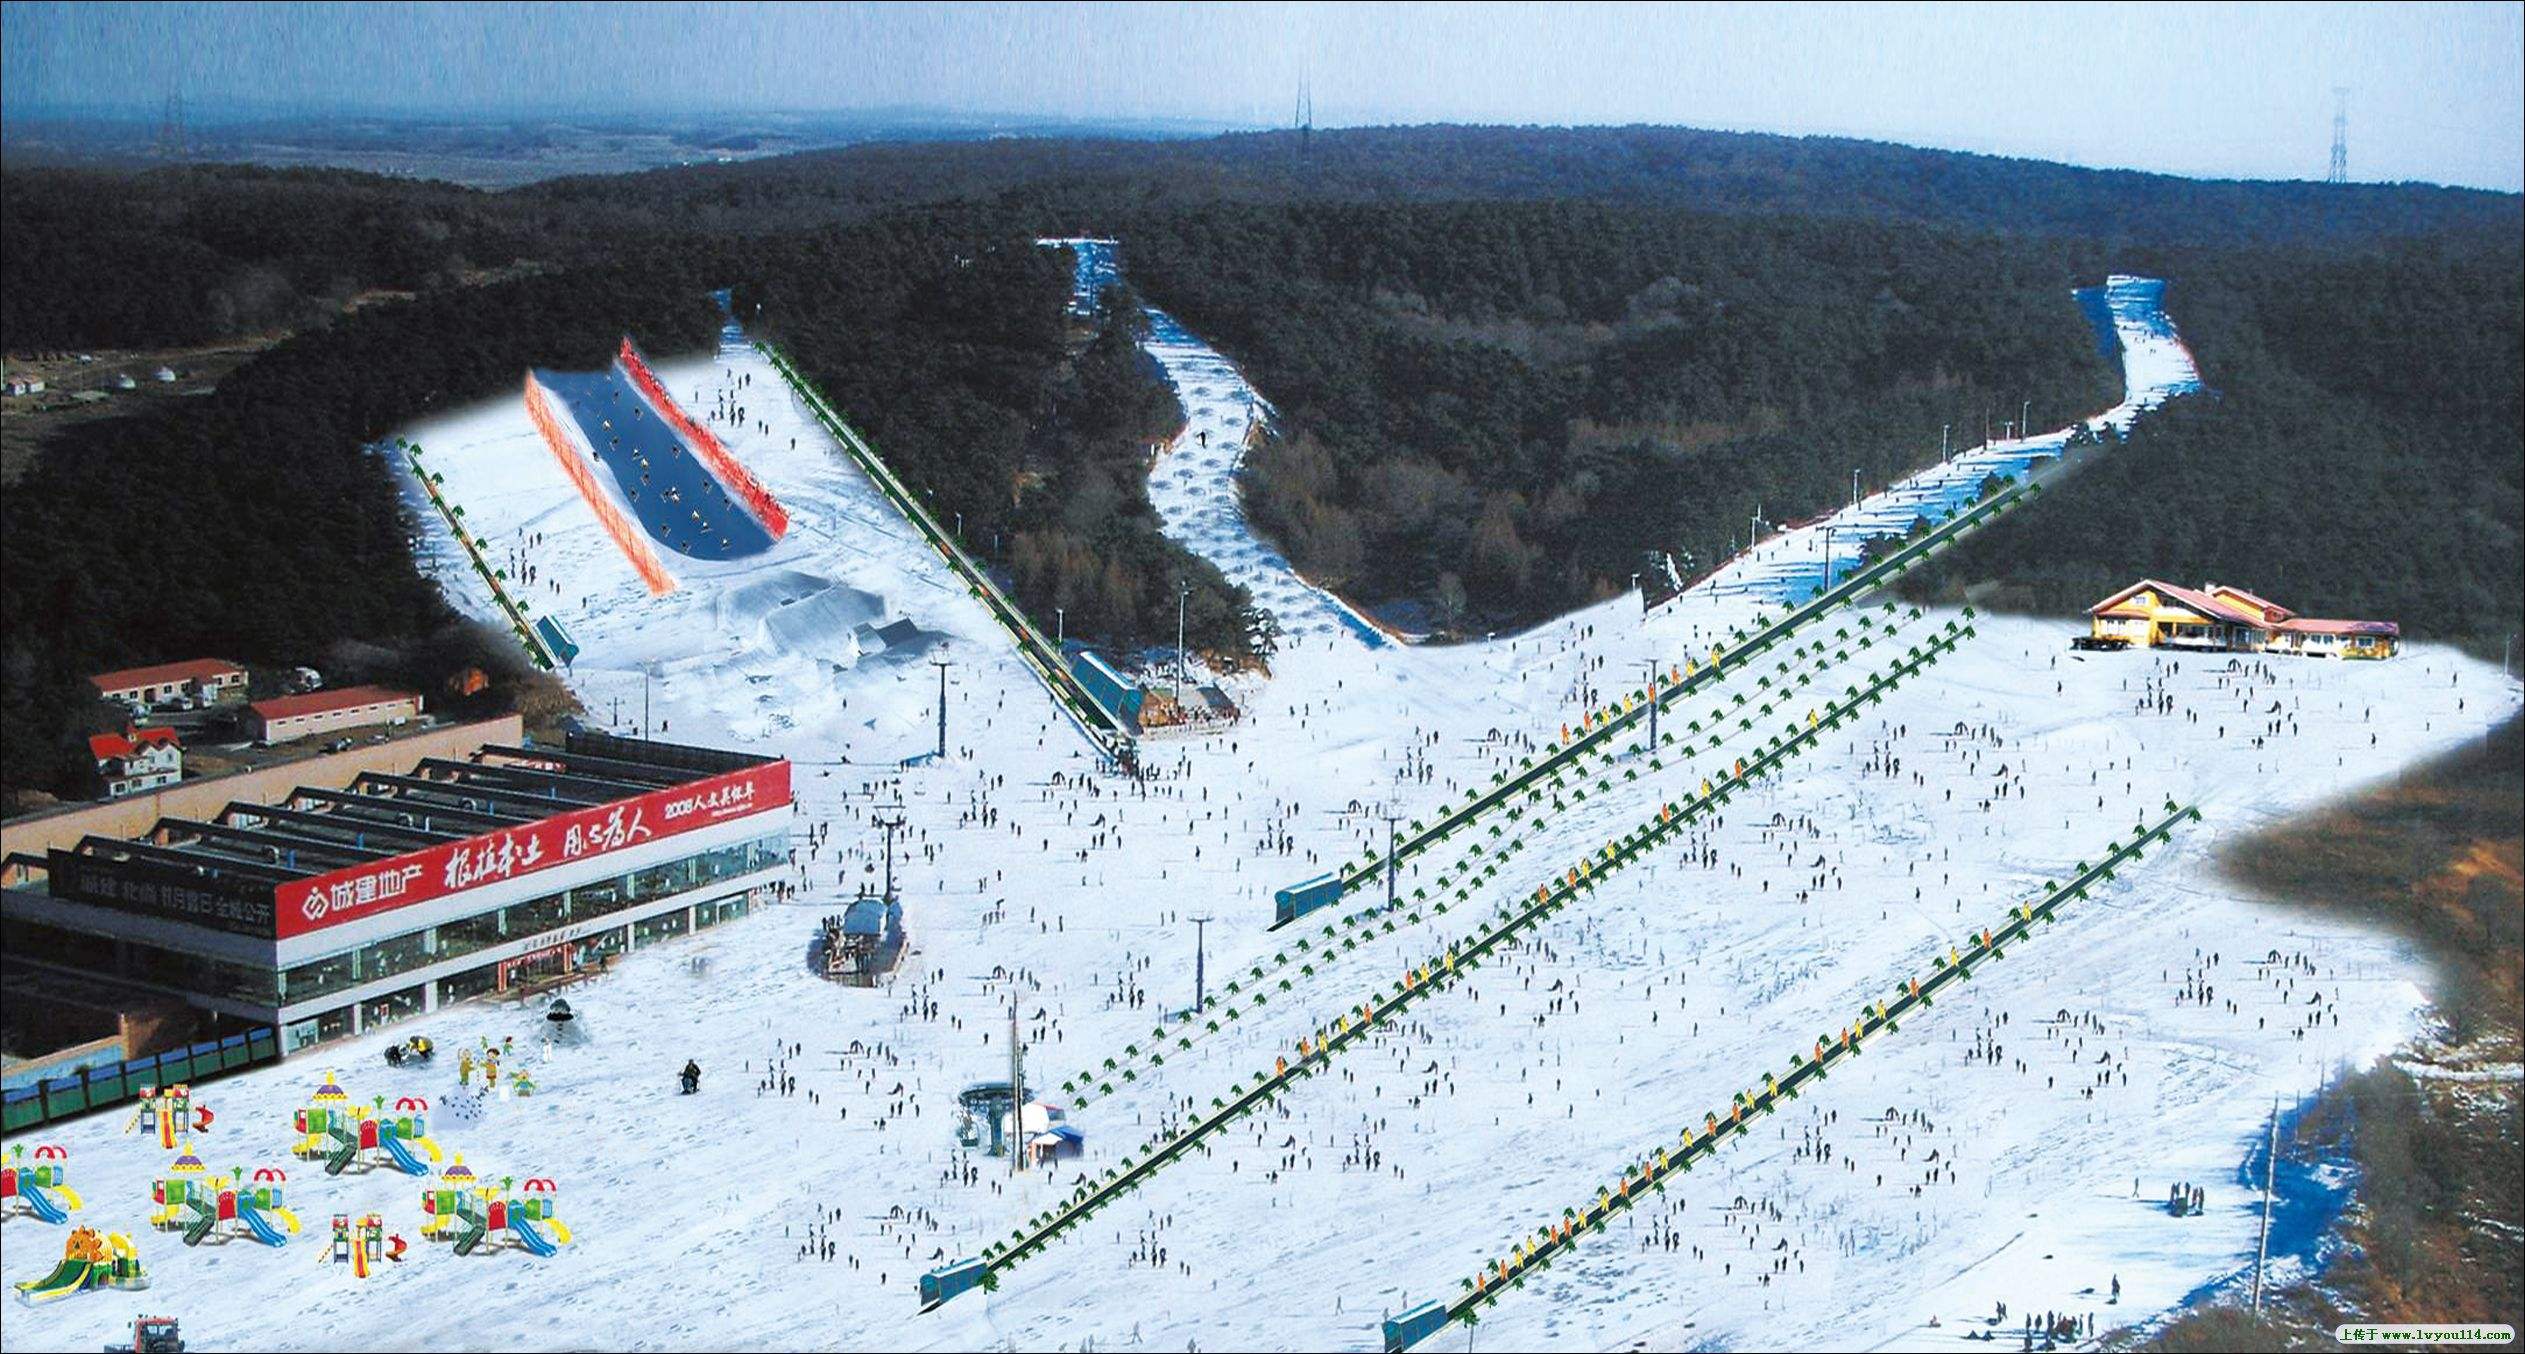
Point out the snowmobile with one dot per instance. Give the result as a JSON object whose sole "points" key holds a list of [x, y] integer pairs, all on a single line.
{"points": [[415, 1051]]}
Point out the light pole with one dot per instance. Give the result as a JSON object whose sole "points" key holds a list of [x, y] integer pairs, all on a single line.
{"points": [[1652, 706], [941, 665], [1200, 931], [1060, 629], [1854, 486], [1182, 591], [1392, 866], [1946, 435], [2025, 425]]}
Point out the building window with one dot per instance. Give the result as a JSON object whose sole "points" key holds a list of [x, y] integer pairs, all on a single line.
{"points": [[321, 978], [393, 955], [471, 983], [473, 933], [390, 1008], [543, 914], [599, 898], [665, 926]]}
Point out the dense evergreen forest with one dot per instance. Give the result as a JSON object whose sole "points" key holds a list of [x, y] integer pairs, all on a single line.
{"points": [[250, 523], [1491, 409], [1490, 406], [946, 342], [2358, 458]]}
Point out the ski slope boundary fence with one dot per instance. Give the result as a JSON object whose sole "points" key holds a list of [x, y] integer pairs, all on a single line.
{"points": [[1480, 862], [713, 453], [1536, 1250], [1722, 663], [1103, 727], [1315, 1052], [454, 518]]}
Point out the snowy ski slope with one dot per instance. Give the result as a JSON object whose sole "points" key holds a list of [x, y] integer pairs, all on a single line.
{"points": [[1663, 992]]}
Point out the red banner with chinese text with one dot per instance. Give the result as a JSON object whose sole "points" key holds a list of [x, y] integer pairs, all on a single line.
{"points": [[360, 891]]}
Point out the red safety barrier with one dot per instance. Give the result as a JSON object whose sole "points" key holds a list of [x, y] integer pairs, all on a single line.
{"points": [[766, 509], [635, 546]]}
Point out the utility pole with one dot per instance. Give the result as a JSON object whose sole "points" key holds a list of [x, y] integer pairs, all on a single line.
{"points": [[1200, 984], [1946, 433], [2025, 425], [1652, 707], [1182, 590], [1854, 486], [1016, 1090], [645, 670], [2270, 1167], [941, 665], [891, 826], [1392, 866]]}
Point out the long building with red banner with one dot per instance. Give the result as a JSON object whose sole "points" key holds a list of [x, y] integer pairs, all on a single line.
{"points": [[334, 912]]}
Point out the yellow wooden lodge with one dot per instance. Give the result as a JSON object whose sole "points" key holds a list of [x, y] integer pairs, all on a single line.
{"points": [[2216, 618]]}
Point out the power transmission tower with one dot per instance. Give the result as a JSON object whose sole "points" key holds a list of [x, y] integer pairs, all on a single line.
{"points": [[2340, 135], [171, 138]]}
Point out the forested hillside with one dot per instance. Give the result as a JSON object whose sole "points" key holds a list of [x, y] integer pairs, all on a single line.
{"points": [[1732, 172], [1490, 410], [2359, 457], [183, 256], [945, 341], [1489, 407], [250, 524]]}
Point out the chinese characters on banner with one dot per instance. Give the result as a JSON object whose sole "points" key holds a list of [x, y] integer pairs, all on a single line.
{"points": [[419, 876]]}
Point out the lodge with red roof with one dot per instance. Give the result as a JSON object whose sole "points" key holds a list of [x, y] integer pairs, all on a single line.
{"points": [[283, 718], [2151, 614], [195, 681], [136, 760]]}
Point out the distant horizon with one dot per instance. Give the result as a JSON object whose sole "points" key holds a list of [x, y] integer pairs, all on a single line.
{"points": [[914, 118], [2435, 93]]}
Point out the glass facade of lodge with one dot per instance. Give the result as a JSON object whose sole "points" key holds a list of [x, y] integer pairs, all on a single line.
{"points": [[426, 946]]}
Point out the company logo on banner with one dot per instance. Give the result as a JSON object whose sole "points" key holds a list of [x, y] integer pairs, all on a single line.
{"points": [[435, 872]]}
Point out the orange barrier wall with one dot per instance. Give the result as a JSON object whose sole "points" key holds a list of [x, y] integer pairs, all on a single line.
{"points": [[767, 510], [635, 546]]}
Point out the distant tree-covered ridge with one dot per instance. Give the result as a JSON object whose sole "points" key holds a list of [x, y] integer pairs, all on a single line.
{"points": [[1490, 410]]}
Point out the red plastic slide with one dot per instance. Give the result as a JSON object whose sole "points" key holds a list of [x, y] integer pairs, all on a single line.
{"points": [[635, 546], [766, 509]]}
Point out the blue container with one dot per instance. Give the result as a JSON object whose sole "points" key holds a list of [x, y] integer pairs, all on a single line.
{"points": [[1297, 900]]}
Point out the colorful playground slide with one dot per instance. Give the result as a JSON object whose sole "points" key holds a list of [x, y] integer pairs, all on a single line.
{"points": [[259, 1222], [46, 1206], [532, 1238]]}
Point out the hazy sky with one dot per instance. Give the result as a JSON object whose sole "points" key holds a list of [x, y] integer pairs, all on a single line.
{"points": [[2435, 90]]}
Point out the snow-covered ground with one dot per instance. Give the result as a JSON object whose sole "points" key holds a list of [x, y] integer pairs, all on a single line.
{"points": [[1638, 1009], [1194, 485]]}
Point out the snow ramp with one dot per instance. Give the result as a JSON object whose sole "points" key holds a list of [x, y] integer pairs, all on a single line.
{"points": [[633, 544], [731, 473]]}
